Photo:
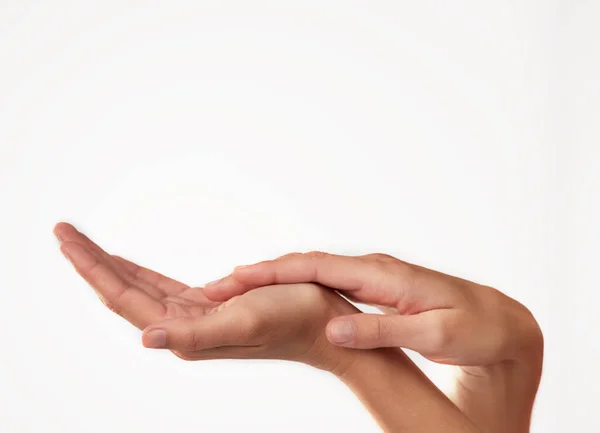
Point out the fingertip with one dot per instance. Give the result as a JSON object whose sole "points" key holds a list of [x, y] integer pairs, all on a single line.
{"points": [[215, 293], [64, 231], [341, 331], [60, 228], [58, 225], [224, 289], [154, 338]]}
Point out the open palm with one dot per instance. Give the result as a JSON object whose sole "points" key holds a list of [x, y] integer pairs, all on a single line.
{"points": [[282, 322], [138, 294]]}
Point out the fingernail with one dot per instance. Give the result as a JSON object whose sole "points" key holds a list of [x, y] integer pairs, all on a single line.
{"points": [[341, 332], [214, 283], [155, 339]]}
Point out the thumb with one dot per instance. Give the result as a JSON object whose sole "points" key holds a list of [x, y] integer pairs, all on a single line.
{"points": [[423, 333], [195, 333]]}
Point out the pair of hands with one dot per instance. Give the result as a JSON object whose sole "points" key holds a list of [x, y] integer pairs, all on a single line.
{"points": [[494, 339], [272, 322], [244, 315], [446, 319], [286, 309]]}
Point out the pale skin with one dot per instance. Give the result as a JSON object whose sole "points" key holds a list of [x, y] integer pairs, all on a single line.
{"points": [[493, 339], [284, 321]]}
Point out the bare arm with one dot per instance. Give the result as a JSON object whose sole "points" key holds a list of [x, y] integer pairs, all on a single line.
{"points": [[275, 322], [494, 341], [502, 395], [399, 396]]}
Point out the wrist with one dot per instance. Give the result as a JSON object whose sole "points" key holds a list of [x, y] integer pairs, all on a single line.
{"points": [[531, 350], [526, 343], [323, 354], [397, 394], [329, 357], [499, 397]]}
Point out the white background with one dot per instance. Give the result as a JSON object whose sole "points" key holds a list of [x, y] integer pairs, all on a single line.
{"points": [[195, 136]]}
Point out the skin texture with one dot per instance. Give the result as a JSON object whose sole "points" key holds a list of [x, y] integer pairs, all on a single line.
{"points": [[494, 340], [271, 322]]}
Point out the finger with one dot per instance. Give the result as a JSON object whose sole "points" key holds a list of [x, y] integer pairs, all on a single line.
{"points": [[134, 305], [188, 334], [427, 333], [65, 232], [366, 279], [164, 283], [168, 285], [226, 288]]}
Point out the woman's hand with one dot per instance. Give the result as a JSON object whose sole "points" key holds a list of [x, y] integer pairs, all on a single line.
{"points": [[285, 322], [282, 322], [448, 320], [279, 322]]}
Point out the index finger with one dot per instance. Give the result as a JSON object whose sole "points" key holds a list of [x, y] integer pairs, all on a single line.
{"points": [[371, 278], [133, 304]]}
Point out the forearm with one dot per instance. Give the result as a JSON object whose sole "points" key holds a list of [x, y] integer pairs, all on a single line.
{"points": [[399, 396], [499, 398]]}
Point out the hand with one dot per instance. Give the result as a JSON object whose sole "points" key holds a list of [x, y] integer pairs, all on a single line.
{"points": [[285, 322], [446, 319], [494, 339]]}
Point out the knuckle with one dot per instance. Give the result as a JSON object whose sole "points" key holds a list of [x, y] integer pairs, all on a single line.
{"points": [[396, 279], [378, 331], [441, 334], [384, 264], [289, 256], [316, 255], [383, 332], [407, 279], [390, 278], [380, 257]]}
